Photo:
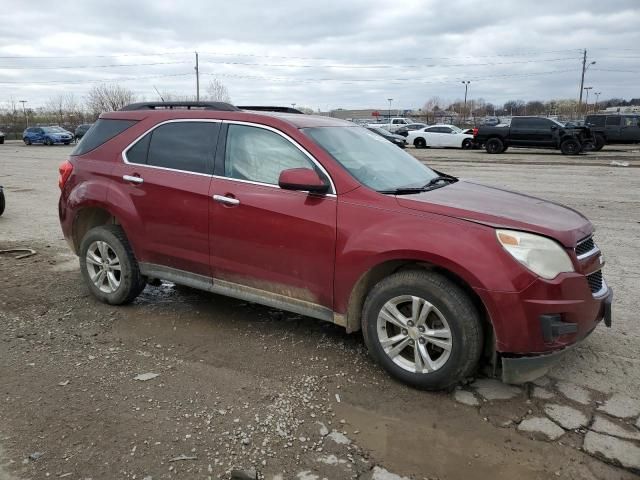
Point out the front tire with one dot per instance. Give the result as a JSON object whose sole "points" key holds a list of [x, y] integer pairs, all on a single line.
{"points": [[422, 329], [420, 143], [570, 146], [467, 144], [27, 141], [599, 143], [494, 145], [2, 202], [109, 266]]}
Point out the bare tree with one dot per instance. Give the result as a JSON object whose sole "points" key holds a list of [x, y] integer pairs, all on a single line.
{"points": [[217, 91], [108, 97]]}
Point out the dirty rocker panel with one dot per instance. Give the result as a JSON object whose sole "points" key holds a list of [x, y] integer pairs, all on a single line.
{"points": [[238, 291]]}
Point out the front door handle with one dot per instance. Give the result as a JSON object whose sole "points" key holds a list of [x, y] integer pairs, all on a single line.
{"points": [[132, 179], [226, 200]]}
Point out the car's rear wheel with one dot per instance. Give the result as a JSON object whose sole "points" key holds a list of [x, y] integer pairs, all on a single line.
{"points": [[423, 329], [467, 144], [27, 141], [420, 143], [599, 143], [109, 266], [1, 140], [2, 202], [494, 145], [570, 146]]}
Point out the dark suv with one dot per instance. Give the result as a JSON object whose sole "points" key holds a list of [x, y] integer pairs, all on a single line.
{"points": [[324, 218], [614, 129]]}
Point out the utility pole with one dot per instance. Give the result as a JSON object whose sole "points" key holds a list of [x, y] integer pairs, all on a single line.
{"points": [[24, 110], [390, 100], [584, 70], [466, 88], [197, 79]]}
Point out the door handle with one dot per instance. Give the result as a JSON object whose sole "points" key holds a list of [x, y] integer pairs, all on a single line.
{"points": [[226, 200], [132, 179]]}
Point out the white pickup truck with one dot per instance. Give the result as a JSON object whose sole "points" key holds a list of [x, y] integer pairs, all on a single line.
{"points": [[393, 125]]}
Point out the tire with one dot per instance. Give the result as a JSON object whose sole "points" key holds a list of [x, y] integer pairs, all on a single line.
{"points": [[48, 141], [599, 143], [27, 141], [420, 143], [2, 202], [467, 144], [494, 145], [570, 146], [1, 140], [452, 311], [109, 241]]}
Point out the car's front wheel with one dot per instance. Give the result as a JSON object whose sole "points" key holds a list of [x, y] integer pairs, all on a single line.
{"points": [[423, 329], [420, 143], [599, 143], [109, 266], [27, 141], [467, 144]]}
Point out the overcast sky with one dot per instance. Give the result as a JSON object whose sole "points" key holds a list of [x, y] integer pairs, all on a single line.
{"points": [[322, 54]]}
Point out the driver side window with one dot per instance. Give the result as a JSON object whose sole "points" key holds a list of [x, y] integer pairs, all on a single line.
{"points": [[259, 155]]}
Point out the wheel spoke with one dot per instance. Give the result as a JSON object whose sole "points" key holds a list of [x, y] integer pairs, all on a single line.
{"points": [[94, 273], [115, 266], [398, 348], [426, 309], [426, 358], [99, 281], [93, 259], [113, 282], [102, 247], [444, 344], [392, 315], [389, 342]]}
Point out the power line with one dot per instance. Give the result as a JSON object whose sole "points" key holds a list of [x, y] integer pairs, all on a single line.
{"points": [[73, 67], [70, 82]]}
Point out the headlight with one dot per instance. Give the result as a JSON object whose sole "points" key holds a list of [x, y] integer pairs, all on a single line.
{"points": [[539, 254]]}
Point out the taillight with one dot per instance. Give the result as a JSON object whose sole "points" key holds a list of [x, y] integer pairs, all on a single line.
{"points": [[65, 170], [475, 132]]}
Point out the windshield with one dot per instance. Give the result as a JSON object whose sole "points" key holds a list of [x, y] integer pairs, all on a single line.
{"points": [[371, 159], [455, 129], [53, 129], [558, 123]]}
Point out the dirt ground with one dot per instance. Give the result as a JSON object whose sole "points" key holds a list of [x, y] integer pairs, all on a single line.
{"points": [[243, 386]]}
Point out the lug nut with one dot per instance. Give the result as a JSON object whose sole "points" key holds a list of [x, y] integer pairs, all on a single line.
{"points": [[411, 342], [422, 341], [410, 323], [421, 329], [405, 332]]}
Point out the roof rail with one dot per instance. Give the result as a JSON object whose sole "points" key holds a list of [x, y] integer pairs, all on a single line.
{"points": [[262, 108], [180, 105]]}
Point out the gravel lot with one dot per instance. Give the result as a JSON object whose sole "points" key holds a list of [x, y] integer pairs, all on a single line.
{"points": [[244, 386]]}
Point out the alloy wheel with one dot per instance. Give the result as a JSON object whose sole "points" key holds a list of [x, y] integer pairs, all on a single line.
{"points": [[414, 334], [104, 267]]}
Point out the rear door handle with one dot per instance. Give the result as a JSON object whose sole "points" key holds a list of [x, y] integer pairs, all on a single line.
{"points": [[132, 179], [226, 200]]}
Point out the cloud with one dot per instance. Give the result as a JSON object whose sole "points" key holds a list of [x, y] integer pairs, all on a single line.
{"points": [[332, 54]]}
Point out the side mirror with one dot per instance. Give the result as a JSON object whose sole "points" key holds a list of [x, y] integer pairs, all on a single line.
{"points": [[554, 127], [302, 179]]}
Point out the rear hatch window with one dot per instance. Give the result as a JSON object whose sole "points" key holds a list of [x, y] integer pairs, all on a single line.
{"points": [[100, 132]]}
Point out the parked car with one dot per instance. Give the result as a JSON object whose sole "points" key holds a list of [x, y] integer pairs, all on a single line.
{"points": [[614, 129], [490, 121], [535, 132], [440, 136], [391, 137], [317, 216], [1, 138], [81, 130], [47, 135], [393, 124], [2, 201], [404, 131]]}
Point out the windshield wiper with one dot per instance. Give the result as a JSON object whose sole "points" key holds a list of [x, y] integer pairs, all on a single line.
{"points": [[404, 190], [431, 185]]}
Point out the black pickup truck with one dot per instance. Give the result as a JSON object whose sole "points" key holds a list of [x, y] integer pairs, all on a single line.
{"points": [[614, 129], [535, 132]]}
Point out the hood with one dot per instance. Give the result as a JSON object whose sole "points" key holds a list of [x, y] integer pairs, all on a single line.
{"points": [[500, 208]]}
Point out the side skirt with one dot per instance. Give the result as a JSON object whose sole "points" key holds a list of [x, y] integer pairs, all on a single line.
{"points": [[241, 292]]}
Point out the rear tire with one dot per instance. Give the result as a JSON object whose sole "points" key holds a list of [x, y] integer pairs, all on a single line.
{"points": [[599, 143], [494, 145], [420, 143], [570, 146], [448, 337], [109, 266]]}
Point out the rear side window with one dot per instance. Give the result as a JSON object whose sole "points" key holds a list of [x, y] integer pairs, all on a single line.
{"points": [[613, 121], [188, 146], [138, 153], [101, 131]]}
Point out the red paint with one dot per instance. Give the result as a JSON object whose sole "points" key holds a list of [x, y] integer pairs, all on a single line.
{"points": [[316, 247]]}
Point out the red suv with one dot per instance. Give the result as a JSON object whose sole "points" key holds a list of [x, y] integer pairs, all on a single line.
{"points": [[323, 218]]}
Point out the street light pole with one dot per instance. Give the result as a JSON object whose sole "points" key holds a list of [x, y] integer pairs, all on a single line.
{"points": [[24, 110], [585, 67], [390, 100], [466, 88], [587, 99], [595, 107]]}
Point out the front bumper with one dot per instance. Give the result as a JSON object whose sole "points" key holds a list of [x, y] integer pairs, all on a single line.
{"points": [[525, 368]]}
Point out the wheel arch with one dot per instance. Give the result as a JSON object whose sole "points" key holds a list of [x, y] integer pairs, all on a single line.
{"points": [[88, 217]]}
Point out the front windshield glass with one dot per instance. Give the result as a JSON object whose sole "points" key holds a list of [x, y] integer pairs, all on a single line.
{"points": [[455, 129], [52, 129], [371, 159]]}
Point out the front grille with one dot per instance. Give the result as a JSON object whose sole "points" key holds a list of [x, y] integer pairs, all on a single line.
{"points": [[595, 281], [585, 246]]}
